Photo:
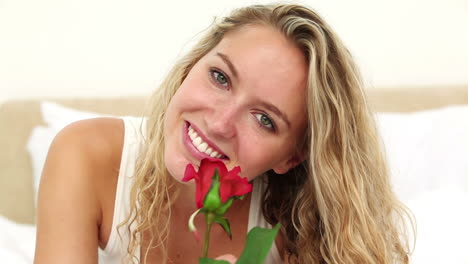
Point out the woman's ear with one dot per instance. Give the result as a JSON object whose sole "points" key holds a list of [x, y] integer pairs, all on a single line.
{"points": [[290, 163]]}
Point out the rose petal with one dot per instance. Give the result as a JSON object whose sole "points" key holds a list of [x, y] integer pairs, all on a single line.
{"points": [[233, 185], [232, 188], [225, 191], [233, 174], [206, 173], [241, 187], [190, 173]]}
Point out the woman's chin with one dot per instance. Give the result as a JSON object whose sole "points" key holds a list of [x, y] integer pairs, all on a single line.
{"points": [[177, 175], [176, 169]]}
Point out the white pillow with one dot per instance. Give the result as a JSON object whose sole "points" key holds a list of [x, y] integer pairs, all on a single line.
{"points": [[426, 150], [428, 157], [38, 146], [57, 117]]}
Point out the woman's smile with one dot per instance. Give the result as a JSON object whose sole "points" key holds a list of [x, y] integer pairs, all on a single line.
{"points": [[199, 145]]}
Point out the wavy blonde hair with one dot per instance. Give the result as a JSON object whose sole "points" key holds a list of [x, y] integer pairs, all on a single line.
{"points": [[335, 207]]}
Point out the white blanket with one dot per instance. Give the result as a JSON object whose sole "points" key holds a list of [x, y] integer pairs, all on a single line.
{"points": [[441, 217], [17, 242]]}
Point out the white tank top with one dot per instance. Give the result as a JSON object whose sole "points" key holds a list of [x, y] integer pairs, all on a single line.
{"points": [[116, 247]]}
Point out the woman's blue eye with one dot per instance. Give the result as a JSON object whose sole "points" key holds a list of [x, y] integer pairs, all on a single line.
{"points": [[220, 78], [265, 121]]}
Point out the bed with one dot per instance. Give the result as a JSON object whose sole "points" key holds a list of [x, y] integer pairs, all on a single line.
{"points": [[424, 129]]}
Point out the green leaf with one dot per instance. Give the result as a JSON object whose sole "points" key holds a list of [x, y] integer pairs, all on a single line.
{"points": [[259, 242], [224, 223], [211, 261]]}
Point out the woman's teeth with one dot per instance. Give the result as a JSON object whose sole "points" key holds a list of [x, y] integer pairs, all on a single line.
{"points": [[202, 146]]}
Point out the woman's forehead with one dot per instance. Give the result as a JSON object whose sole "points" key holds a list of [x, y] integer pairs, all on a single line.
{"points": [[263, 55]]}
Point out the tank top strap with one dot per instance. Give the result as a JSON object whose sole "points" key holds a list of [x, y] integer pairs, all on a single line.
{"points": [[134, 138]]}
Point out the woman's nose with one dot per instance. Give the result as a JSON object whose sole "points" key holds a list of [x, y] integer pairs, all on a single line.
{"points": [[222, 122]]}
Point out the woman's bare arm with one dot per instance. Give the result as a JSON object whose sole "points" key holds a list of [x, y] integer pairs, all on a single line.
{"points": [[70, 200]]}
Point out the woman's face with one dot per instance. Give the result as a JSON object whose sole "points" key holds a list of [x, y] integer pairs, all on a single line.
{"points": [[243, 103]]}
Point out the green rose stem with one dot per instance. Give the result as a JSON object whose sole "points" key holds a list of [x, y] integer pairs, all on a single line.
{"points": [[209, 217]]}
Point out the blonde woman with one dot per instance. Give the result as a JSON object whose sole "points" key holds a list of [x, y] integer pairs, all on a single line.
{"points": [[269, 88]]}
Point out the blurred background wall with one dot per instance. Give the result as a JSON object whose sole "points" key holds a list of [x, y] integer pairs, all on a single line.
{"points": [[57, 48]]}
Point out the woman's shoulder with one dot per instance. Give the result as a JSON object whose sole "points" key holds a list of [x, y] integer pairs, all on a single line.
{"points": [[92, 148], [95, 147], [94, 137]]}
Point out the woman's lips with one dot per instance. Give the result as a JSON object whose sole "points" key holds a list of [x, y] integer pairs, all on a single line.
{"points": [[193, 149]]}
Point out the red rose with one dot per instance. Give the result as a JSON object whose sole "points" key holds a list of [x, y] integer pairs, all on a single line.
{"points": [[231, 184], [216, 189]]}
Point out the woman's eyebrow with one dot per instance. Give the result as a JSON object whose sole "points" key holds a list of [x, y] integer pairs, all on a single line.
{"points": [[277, 112], [226, 60]]}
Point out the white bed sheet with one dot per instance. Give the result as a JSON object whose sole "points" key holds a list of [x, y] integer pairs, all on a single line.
{"points": [[17, 242], [441, 216]]}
